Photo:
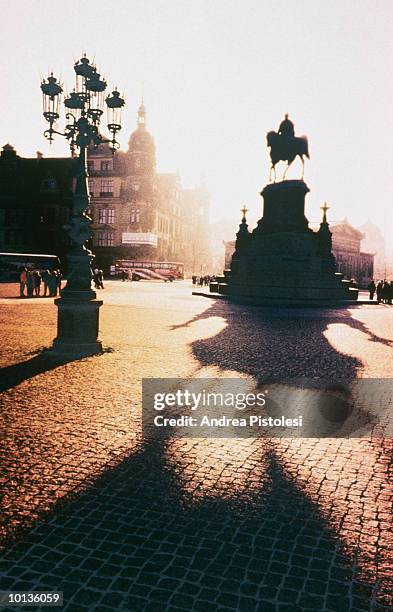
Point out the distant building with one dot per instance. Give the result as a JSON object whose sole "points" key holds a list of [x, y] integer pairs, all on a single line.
{"points": [[136, 212], [346, 242], [141, 214], [198, 255], [374, 242], [35, 202], [351, 261], [229, 246]]}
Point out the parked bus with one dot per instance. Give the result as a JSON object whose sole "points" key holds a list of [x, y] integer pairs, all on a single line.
{"points": [[159, 270], [11, 263]]}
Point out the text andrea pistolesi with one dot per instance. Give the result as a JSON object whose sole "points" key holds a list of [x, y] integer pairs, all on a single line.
{"points": [[228, 409]]}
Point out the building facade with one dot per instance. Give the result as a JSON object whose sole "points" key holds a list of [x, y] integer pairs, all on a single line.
{"points": [[141, 214], [374, 242], [350, 260], [35, 203]]}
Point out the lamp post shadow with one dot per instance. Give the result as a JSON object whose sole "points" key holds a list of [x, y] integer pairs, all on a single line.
{"points": [[45, 361]]}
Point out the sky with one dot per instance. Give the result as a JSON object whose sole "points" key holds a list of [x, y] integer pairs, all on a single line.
{"points": [[216, 75]]}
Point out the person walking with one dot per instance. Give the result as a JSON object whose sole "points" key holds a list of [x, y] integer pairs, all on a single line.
{"points": [[58, 282], [30, 282], [37, 282], [45, 279], [385, 291], [22, 281], [95, 278], [379, 291], [390, 292], [52, 284], [372, 288], [100, 276]]}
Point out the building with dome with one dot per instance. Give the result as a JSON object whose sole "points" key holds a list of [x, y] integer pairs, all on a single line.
{"points": [[136, 212], [141, 214]]}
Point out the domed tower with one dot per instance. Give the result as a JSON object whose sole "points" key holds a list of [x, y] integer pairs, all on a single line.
{"points": [[141, 148], [139, 189]]}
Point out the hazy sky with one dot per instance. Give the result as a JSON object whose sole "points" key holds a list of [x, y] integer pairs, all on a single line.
{"points": [[216, 76]]}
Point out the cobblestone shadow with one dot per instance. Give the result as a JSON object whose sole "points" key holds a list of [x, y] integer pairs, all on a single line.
{"points": [[135, 540]]}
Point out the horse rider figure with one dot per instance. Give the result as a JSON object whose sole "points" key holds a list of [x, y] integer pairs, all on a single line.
{"points": [[287, 128], [285, 146]]}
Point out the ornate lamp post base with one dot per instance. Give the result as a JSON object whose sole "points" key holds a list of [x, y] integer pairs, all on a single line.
{"points": [[77, 325]]}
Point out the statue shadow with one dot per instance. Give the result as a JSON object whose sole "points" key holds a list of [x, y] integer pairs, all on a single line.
{"points": [[134, 539], [278, 343]]}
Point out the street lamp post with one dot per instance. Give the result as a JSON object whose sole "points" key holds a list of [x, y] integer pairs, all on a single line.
{"points": [[78, 308]]}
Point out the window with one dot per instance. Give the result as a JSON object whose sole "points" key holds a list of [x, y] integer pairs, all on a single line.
{"points": [[135, 215], [106, 188], [49, 184], [137, 163], [106, 166], [90, 185], [90, 165], [135, 187], [106, 215], [106, 239]]}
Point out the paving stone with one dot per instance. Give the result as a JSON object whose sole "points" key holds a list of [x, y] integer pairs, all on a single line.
{"points": [[251, 521]]}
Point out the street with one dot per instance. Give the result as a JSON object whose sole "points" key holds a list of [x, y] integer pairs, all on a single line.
{"points": [[92, 509]]}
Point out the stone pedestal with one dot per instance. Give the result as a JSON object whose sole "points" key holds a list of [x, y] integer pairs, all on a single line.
{"points": [[283, 261], [283, 208], [77, 324]]}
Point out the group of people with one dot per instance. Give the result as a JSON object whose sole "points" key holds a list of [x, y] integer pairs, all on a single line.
{"points": [[383, 290], [202, 280], [31, 281]]}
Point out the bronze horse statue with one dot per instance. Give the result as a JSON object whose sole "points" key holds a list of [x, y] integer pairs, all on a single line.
{"points": [[285, 147]]}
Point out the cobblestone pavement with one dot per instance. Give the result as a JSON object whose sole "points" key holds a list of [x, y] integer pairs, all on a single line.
{"points": [[115, 521]]}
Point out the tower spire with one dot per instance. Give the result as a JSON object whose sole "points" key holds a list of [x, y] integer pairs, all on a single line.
{"points": [[142, 114]]}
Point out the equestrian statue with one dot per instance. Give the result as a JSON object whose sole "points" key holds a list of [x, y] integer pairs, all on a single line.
{"points": [[285, 146]]}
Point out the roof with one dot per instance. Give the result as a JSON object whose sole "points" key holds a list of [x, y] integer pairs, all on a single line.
{"points": [[346, 229], [22, 180], [140, 138]]}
